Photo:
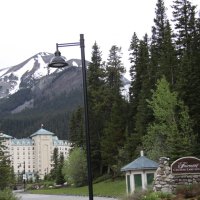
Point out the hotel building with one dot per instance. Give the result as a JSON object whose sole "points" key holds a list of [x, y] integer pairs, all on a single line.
{"points": [[34, 154]]}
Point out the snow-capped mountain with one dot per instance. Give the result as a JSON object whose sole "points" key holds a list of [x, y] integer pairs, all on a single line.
{"points": [[28, 72], [33, 74]]}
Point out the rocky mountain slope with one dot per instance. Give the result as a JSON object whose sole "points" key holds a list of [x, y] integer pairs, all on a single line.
{"points": [[32, 94]]}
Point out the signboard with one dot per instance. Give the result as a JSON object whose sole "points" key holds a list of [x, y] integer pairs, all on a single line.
{"points": [[186, 165], [24, 176]]}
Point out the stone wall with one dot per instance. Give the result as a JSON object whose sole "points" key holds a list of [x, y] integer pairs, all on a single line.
{"points": [[165, 181]]}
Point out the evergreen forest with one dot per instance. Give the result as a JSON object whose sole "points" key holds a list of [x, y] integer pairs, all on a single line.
{"points": [[162, 113]]}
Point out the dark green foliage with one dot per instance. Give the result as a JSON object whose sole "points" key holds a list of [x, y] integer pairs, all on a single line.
{"points": [[114, 130], [59, 175], [96, 86], [7, 194], [187, 42], [6, 175], [55, 161], [139, 91], [76, 132], [56, 172]]}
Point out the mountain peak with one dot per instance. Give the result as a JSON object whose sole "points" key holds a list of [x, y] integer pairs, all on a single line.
{"points": [[27, 73]]}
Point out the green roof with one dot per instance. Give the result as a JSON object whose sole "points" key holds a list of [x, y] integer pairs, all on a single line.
{"points": [[42, 132], [22, 142], [2, 135], [140, 163]]}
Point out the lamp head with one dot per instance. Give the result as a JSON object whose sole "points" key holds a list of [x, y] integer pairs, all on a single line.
{"points": [[58, 61]]}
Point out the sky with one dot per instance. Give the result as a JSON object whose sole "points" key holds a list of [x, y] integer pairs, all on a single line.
{"points": [[32, 26]]}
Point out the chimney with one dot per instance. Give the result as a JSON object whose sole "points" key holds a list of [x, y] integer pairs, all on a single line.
{"points": [[141, 153]]}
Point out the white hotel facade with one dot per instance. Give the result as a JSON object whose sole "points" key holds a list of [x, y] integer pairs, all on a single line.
{"points": [[34, 154]]}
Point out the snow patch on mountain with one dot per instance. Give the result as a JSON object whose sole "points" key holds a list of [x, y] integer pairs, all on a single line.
{"points": [[42, 71]]}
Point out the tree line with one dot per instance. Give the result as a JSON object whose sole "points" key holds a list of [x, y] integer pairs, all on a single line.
{"points": [[161, 115]]}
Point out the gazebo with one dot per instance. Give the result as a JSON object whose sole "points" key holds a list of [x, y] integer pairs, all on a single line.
{"points": [[139, 173]]}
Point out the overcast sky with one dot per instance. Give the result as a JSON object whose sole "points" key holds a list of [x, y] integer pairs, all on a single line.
{"points": [[32, 26]]}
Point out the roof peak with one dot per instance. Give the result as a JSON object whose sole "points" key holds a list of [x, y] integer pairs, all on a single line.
{"points": [[42, 131]]}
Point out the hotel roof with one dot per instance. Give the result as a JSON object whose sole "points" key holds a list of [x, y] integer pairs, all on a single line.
{"points": [[42, 132], [2, 135]]}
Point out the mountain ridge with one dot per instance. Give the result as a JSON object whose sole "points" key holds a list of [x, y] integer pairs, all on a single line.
{"points": [[32, 94]]}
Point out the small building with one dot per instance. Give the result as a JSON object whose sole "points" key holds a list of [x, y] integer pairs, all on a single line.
{"points": [[139, 173]]}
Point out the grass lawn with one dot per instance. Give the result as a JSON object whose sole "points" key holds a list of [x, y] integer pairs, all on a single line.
{"points": [[107, 188]]}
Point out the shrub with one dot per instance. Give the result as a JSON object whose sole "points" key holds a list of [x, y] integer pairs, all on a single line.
{"points": [[188, 191], [7, 195], [149, 195], [75, 168]]}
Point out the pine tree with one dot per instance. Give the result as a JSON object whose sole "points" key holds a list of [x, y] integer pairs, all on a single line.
{"points": [[55, 164], [114, 131], [136, 82], [187, 40], [141, 83], [59, 175], [6, 175], [143, 114], [184, 19], [76, 134], [158, 34], [168, 59], [96, 82]]}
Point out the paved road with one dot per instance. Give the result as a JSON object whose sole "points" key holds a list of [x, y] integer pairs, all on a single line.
{"points": [[24, 196]]}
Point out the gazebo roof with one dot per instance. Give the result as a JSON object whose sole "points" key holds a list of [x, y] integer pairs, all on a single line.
{"points": [[140, 163]]}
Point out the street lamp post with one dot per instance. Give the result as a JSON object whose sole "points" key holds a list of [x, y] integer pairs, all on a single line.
{"points": [[59, 62], [24, 177]]}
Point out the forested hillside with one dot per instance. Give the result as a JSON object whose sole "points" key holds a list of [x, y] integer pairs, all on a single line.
{"points": [[162, 115]]}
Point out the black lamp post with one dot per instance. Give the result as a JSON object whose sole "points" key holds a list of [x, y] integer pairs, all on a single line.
{"points": [[58, 62], [24, 177]]}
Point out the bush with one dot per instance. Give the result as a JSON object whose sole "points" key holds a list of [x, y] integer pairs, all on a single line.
{"points": [[75, 168], [7, 195], [188, 191], [149, 195]]}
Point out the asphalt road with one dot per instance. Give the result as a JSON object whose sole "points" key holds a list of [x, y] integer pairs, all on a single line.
{"points": [[24, 196]]}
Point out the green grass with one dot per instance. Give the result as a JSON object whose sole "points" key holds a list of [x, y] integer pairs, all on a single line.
{"points": [[107, 188]]}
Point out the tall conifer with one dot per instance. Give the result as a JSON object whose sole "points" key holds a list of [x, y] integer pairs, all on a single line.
{"points": [[96, 83], [114, 132]]}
